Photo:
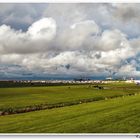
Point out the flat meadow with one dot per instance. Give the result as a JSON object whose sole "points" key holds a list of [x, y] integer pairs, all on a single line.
{"points": [[89, 108]]}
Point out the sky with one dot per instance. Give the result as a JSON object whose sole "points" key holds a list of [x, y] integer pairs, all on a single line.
{"points": [[69, 40]]}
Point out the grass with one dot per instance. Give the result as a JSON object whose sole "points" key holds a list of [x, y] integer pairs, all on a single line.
{"points": [[116, 115], [29, 96], [119, 115]]}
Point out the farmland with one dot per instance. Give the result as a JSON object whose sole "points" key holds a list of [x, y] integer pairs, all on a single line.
{"points": [[74, 109]]}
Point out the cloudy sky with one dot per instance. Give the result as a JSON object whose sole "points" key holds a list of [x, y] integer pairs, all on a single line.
{"points": [[38, 41]]}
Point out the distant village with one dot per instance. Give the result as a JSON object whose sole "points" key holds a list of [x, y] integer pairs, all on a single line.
{"points": [[74, 81]]}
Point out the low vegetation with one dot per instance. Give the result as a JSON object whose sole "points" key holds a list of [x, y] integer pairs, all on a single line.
{"points": [[70, 109], [20, 100], [119, 115]]}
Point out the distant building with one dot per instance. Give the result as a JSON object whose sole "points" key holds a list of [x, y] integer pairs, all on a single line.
{"points": [[130, 81], [137, 82]]}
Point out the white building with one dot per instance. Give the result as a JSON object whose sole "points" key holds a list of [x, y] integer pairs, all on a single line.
{"points": [[137, 81]]}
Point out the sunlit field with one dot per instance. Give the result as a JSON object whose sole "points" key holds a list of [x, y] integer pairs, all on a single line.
{"points": [[113, 108]]}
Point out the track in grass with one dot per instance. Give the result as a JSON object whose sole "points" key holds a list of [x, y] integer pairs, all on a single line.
{"points": [[120, 115], [16, 98]]}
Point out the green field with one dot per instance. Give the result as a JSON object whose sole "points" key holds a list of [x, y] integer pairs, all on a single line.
{"points": [[107, 115]]}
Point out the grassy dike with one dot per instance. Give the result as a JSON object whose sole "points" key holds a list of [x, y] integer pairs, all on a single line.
{"points": [[21, 100], [119, 115]]}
